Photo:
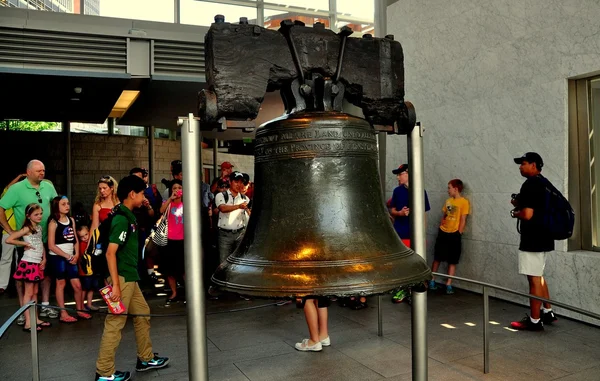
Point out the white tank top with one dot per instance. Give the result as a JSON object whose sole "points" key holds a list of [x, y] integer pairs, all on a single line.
{"points": [[36, 254]]}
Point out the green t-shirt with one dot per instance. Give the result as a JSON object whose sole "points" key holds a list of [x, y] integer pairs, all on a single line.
{"points": [[22, 194], [127, 255]]}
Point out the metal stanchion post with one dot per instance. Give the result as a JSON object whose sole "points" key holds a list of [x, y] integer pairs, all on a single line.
{"points": [[191, 155], [382, 143], [486, 330], [35, 355], [416, 192]]}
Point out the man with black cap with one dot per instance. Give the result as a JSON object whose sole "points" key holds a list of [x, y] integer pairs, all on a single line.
{"points": [[535, 242], [400, 210]]}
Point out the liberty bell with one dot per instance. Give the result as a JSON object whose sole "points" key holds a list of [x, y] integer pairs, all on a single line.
{"points": [[319, 225]]}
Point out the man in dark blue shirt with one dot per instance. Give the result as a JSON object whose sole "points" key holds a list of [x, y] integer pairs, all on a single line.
{"points": [[400, 210]]}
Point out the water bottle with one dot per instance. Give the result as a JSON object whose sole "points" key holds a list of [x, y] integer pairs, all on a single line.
{"points": [[98, 250]]}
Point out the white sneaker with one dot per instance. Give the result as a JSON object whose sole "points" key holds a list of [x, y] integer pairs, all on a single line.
{"points": [[21, 320], [326, 342], [304, 347]]}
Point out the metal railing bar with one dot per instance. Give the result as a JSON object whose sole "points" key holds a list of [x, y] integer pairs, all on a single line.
{"points": [[14, 317], [526, 295]]}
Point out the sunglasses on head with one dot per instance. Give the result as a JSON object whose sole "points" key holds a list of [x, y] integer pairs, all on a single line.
{"points": [[106, 180], [39, 196]]}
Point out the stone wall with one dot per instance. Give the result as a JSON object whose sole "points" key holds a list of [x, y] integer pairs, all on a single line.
{"points": [[489, 82]]}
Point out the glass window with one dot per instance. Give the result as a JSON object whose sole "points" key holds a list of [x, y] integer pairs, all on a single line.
{"points": [[203, 13], [273, 18], [148, 10], [130, 130], [299, 5], [361, 10]]}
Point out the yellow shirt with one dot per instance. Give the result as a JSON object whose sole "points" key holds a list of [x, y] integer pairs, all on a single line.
{"points": [[10, 216], [453, 209]]}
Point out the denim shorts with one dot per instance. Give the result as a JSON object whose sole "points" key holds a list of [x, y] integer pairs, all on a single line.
{"points": [[60, 268]]}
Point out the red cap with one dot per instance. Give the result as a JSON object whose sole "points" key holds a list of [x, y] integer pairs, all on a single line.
{"points": [[226, 164]]}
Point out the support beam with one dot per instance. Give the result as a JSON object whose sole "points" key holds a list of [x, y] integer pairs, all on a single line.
{"points": [[417, 217], [191, 155], [380, 20], [81, 7], [110, 122], [151, 156], [177, 11], [333, 15], [66, 130], [260, 12]]}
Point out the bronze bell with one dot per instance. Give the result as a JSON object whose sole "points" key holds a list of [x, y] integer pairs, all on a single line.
{"points": [[319, 225]]}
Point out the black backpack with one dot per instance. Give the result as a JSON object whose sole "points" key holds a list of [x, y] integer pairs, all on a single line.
{"points": [[226, 197], [98, 242], [559, 217]]}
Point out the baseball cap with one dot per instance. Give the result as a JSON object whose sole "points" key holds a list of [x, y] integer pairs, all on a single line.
{"points": [[236, 175], [226, 164], [530, 157], [400, 169]]}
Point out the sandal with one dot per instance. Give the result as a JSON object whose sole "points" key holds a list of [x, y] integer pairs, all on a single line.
{"points": [[38, 328], [45, 324], [68, 320], [84, 316]]}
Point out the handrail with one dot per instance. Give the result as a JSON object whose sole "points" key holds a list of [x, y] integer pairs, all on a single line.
{"points": [[14, 317], [500, 288], [35, 359], [486, 310]]}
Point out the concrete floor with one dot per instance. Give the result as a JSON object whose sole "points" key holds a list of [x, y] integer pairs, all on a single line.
{"points": [[257, 344]]}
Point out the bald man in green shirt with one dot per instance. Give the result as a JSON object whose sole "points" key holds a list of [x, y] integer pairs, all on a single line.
{"points": [[33, 189]]}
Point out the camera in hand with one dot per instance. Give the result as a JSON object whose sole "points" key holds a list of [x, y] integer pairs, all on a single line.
{"points": [[515, 201]]}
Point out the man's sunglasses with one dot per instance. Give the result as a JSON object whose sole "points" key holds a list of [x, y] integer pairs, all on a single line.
{"points": [[39, 196]]}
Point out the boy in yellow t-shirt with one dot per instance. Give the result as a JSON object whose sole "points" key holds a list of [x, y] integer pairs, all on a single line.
{"points": [[448, 244]]}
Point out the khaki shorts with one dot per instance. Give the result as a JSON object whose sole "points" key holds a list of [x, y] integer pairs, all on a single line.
{"points": [[532, 263]]}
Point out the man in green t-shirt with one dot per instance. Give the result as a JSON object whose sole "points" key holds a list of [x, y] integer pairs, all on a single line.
{"points": [[33, 189], [122, 260]]}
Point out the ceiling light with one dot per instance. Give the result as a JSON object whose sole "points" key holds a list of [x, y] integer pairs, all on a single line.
{"points": [[123, 103]]}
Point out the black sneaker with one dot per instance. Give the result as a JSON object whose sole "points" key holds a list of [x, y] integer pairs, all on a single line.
{"points": [[548, 317], [170, 302], [527, 325], [117, 376], [155, 363]]}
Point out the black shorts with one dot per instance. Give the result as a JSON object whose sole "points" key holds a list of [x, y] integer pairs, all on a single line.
{"points": [[448, 247], [322, 301], [172, 260]]}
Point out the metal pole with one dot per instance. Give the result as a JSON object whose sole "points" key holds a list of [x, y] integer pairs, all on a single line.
{"points": [[82, 7], [35, 355], [215, 158], [419, 334], [66, 129], [260, 12], [191, 155], [382, 143], [486, 330], [151, 156], [380, 18], [177, 11], [416, 191]]}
